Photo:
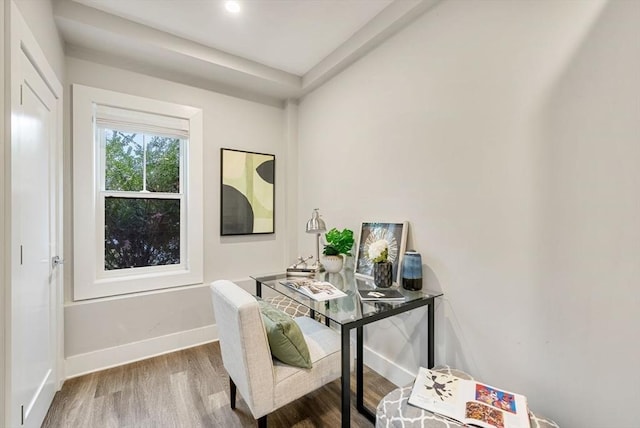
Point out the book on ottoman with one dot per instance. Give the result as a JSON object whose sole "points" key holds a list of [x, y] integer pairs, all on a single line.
{"points": [[468, 401]]}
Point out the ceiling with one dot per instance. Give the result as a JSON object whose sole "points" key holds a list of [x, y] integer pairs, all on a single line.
{"points": [[271, 49]]}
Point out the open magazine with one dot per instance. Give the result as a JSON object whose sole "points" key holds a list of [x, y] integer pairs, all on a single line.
{"points": [[317, 290], [468, 401]]}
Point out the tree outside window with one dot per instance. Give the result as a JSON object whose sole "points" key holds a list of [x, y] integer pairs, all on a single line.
{"points": [[142, 200]]}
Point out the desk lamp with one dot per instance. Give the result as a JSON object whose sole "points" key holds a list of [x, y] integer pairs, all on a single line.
{"points": [[316, 225]]}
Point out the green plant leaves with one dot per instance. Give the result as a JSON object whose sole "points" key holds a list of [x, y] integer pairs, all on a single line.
{"points": [[338, 242]]}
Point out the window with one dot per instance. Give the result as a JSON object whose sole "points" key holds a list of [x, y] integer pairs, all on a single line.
{"points": [[137, 194]]}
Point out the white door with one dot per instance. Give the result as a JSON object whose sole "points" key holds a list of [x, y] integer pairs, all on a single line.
{"points": [[33, 363]]}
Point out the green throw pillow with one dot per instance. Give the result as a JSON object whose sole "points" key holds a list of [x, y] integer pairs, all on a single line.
{"points": [[285, 337]]}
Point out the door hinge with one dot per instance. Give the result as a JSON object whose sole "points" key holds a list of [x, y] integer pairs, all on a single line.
{"points": [[20, 94], [20, 255], [22, 415]]}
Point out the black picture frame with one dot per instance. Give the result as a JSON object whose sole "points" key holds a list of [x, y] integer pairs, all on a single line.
{"points": [[247, 192], [370, 232]]}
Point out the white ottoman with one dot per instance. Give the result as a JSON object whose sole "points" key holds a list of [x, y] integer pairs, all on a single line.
{"points": [[394, 412]]}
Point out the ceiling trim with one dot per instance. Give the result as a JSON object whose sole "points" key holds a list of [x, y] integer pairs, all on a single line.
{"points": [[68, 13], [95, 35], [185, 78]]}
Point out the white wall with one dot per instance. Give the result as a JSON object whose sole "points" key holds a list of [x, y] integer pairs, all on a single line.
{"points": [[4, 145], [508, 135], [39, 17], [122, 323]]}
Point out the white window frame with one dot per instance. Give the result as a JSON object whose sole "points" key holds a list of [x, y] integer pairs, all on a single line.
{"points": [[90, 278]]}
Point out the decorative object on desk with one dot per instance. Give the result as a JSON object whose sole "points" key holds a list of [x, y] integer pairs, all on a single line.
{"points": [[412, 271], [396, 236], [338, 243], [383, 274], [247, 192], [332, 264], [378, 253], [316, 226], [299, 268]]}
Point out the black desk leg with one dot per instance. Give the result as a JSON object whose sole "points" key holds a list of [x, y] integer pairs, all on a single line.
{"points": [[360, 376], [345, 381], [326, 318], [258, 289], [430, 336], [359, 369]]}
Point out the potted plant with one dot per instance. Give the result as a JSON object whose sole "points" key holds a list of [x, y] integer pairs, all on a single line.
{"points": [[338, 243]]}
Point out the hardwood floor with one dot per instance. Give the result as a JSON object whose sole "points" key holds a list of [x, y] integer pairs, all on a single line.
{"points": [[190, 389]]}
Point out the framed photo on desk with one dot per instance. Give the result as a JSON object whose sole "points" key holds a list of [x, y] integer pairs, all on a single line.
{"points": [[396, 236]]}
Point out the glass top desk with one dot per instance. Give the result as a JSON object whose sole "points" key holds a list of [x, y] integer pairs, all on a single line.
{"points": [[350, 313]]}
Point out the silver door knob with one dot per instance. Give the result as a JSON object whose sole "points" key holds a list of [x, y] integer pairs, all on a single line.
{"points": [[56, 260]]}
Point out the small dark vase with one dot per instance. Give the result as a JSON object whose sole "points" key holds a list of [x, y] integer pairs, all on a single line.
{"points": [[383, 274]]}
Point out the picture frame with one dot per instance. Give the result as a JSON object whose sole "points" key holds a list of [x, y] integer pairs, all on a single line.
{"points": [[247, 192], [370, 232]]}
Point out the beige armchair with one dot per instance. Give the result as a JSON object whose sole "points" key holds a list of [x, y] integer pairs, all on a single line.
{"points": [[265, 383]]}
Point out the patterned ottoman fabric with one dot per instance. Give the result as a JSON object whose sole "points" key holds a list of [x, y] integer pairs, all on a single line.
{"points": [[394, 411], [291, 307]]}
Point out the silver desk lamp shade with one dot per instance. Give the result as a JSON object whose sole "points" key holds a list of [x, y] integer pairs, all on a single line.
{"points": [[317, 226]]}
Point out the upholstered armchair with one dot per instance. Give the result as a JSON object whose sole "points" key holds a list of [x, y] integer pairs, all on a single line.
{"points": [[265, 383]]}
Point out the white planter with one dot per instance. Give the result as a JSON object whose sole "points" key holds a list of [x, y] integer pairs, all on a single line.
{"points": [[332, 264]]}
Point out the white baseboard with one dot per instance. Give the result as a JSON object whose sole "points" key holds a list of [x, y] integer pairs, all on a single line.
{"points": [[77, 365], [387, 368]]}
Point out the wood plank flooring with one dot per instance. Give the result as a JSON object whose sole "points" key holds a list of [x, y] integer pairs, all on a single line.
{"points": [[190, 388]]}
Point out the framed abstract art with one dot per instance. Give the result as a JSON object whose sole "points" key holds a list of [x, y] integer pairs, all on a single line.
{"points": [[396, 236], [247, 192]]}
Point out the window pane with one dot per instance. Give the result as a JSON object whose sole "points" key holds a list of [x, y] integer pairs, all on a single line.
{"points": [[123, 161], [163, 164], [141, 232]]}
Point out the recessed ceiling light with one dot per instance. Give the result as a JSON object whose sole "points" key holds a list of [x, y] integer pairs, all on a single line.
{"points": [[232, 6]]}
